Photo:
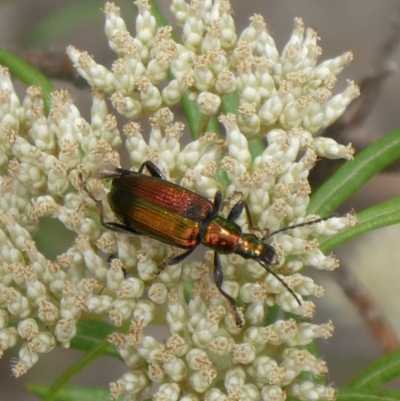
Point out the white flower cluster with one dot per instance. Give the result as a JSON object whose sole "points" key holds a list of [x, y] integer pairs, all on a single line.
{"points": [[284, 98], [275, 91]]}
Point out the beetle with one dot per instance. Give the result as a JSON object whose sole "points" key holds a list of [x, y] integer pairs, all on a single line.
{"points": [[153, 206]]}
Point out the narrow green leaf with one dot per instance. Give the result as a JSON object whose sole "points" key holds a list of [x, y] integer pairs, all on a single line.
{"points": [[27, 74], [70, 373], [380, 372], [367, 394], [192, 114], [355, 173], [378, 216], [256, 147], [91, 334], [72, 393], [230, 103]]}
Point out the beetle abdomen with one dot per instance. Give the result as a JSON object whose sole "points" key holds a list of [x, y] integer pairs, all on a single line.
{"points": [[157, 209]]}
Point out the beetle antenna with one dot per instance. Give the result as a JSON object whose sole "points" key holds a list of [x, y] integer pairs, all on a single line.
{"points": [[285, 284], [307, 223]]}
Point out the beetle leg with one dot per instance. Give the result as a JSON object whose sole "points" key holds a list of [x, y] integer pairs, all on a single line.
{"points": [[252, 227], [116, 227], [176, 259], [119, 228], [236, 211], [119, 172], [219, 279], [218, 203], [152, 169]]}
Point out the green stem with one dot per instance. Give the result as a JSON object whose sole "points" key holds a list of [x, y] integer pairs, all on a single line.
{"points": [[61, 383]]}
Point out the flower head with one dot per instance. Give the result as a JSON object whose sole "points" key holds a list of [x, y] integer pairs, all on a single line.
{"points": [[284, 98]]}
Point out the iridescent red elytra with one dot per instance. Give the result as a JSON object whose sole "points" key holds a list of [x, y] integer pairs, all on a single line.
{"points": [[150, 205]]}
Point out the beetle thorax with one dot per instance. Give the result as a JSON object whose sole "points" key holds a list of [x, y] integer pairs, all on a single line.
{"points": [[221, 235]]}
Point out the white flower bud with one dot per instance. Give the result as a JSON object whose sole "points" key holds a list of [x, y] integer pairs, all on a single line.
{"points": [[168, 391], [235, 377], [150, 96], [135, 143], [97, 75], [176, 317], [113, 23], [8, 338], [131, 288], [208, 103], [243, 353], [202, 380], [115, 275], [97, 266], [43, 343], [158, 293], [227, 28], [270, 110], [273, 393], [255, 313], [17, 304], [175, 368], [251, 392], [150, 349], [248, 121], [132, 382], [127, 106], [65, 331], [27, 359], [35, 291], [147, 268], [225, 82], [180, 9], [266, 370], [215, 394], [145, 24], [192, 31], [308, 390], [100, 304], [237, 142], [144, 311], [131, 356], [124, 309], [329, 148]]}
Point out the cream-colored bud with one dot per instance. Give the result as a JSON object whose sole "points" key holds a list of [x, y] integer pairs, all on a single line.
{"points": [[97, 75], [208, 103], [100, 304], [127, 106]]}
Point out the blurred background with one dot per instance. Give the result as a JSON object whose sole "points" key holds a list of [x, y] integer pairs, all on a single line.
{"points": [[41, 29]]}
